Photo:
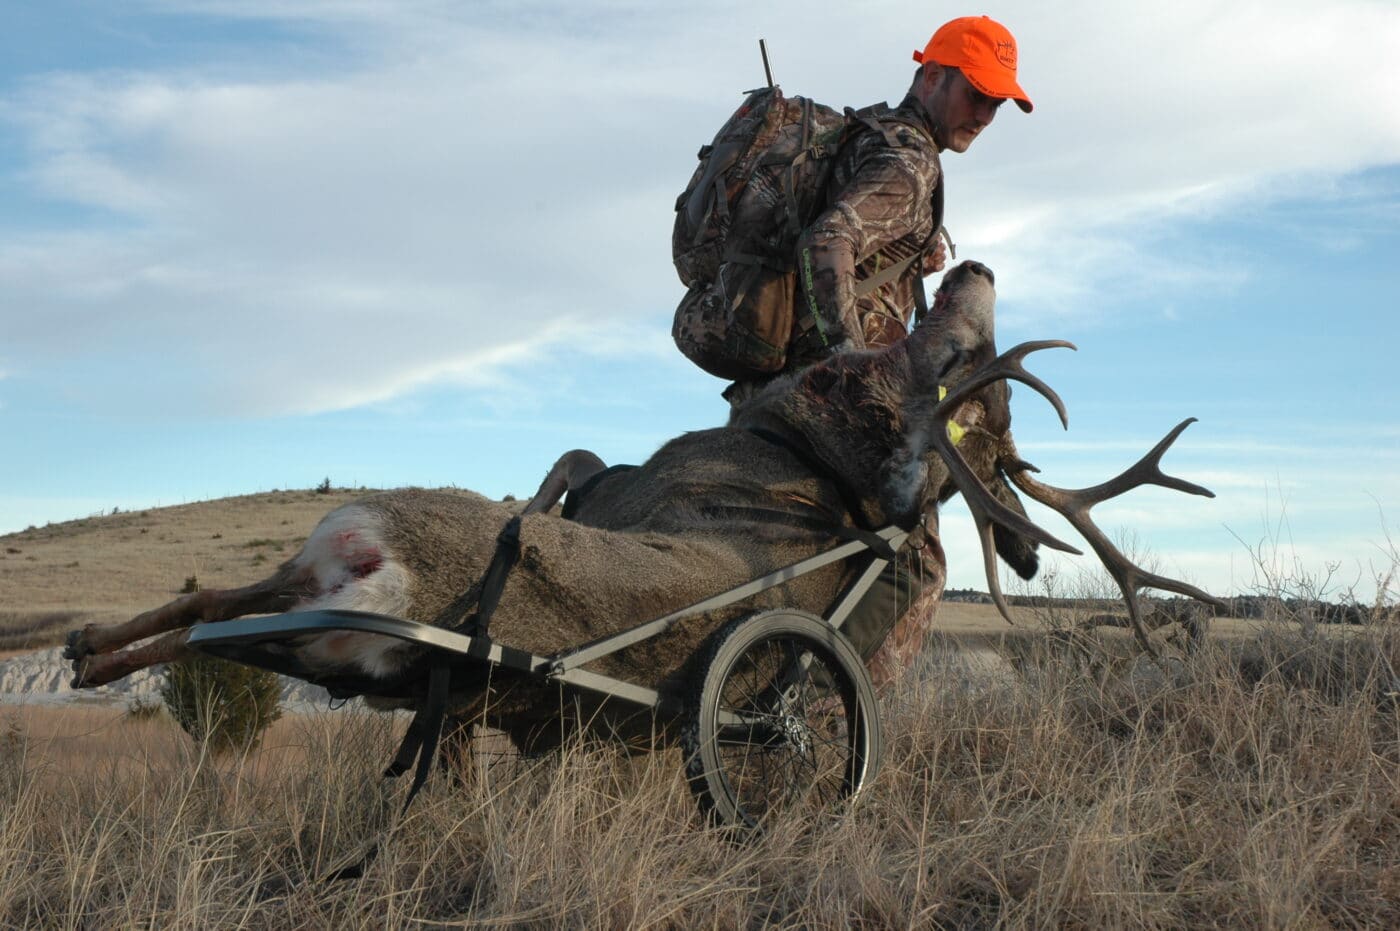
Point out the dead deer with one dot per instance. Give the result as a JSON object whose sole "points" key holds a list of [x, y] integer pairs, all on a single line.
{"points": [[861, 440]]}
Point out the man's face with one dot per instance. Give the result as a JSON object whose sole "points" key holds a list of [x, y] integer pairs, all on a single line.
{"points": [[958, 110]]}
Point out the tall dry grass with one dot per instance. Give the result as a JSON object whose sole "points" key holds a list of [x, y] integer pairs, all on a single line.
{"points": [[33, 630], [1256, 784]]}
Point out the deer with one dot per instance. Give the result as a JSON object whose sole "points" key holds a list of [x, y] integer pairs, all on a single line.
{"points": [[859, 441]]}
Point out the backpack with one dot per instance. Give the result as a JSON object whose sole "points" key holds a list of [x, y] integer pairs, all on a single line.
{"points": [[758, 185]]}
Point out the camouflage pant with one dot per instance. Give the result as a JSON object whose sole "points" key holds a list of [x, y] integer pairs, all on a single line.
{"points": [[890, 625]]}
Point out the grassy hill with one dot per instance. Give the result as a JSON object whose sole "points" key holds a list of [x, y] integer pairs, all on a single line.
{"points": [[110, 567]]}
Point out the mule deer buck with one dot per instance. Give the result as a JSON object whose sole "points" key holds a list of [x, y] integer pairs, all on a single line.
{"points": [[857, 442]]}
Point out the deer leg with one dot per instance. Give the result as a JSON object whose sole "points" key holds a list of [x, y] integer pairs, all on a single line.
{"points": [[270, 596], [569, 473], [93, 669]]}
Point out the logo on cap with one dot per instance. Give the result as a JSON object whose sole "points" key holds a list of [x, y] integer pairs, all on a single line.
{"points": [[1006, 54]]}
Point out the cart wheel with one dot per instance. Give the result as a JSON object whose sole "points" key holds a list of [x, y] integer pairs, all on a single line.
{"points": [[783, 715]]}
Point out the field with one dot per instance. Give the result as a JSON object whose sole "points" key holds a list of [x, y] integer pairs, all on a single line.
{"points": [[1030, 780]]}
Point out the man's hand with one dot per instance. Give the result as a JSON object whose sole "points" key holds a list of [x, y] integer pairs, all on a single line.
{"points": [[935, 260]]}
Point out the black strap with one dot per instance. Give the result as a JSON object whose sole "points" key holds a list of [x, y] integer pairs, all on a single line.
{"points": [[420, 742], [936, 209], [920, 297], [488, 590], [576, 496]]}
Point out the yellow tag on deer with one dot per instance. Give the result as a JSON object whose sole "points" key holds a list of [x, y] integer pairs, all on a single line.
{"points": [[955, 432]]}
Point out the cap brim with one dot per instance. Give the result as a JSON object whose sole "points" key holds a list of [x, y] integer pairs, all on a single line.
{"points": [[994, 84]]}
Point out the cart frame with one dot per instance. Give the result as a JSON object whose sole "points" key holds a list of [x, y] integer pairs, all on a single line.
{"points": [[776, 715]]}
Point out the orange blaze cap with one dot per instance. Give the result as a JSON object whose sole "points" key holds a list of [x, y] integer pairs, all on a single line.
{"points": [[984, 51]]}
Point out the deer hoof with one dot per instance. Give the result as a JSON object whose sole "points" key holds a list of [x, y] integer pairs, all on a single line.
{"points": [[77, 646], [92, 670], [83, 656], [81, 667]]}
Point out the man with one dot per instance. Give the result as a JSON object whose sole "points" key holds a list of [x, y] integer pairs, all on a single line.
{"points": [[884, 201], [885, 204]]}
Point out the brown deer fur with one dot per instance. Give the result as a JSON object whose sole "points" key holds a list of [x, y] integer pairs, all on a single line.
{"points": [[642, 542]]}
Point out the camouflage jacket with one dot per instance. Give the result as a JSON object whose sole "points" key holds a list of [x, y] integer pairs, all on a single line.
{"points": [[880, 209]]}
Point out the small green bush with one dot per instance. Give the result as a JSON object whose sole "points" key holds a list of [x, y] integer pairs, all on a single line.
{"points": [[225, 705]]}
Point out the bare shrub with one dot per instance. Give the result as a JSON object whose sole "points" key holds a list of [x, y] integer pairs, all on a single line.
{"points": [[223, 704], [141, 708]]}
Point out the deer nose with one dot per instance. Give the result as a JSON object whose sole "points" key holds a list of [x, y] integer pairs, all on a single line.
{"points": [[980, 269]]}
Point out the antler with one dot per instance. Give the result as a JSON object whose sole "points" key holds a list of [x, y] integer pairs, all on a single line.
{"points": [[986, 510], [1074, 505]]}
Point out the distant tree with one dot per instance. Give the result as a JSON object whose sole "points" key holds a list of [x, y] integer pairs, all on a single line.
{"points": [[325, 487]]}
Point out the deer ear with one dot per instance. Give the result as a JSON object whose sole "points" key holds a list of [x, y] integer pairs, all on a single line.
{"points": [[1018, 552]]}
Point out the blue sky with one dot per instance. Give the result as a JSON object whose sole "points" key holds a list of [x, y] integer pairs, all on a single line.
{"points": [[252, 245]]}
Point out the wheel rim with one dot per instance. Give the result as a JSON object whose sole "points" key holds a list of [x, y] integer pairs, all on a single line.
{"points": [[789, 732]]}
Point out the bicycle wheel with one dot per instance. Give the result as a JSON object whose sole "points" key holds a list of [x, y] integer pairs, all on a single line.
{"points": [[782, 715]]}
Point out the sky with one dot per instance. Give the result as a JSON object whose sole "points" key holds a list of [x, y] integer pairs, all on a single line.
{"points": [[254, 244]]}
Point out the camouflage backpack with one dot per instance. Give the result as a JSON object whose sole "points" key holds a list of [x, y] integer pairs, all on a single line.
{"points": [[759, 184]]}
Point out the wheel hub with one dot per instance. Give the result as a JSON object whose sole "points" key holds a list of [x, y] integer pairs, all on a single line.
{"points": [[796, 731]]}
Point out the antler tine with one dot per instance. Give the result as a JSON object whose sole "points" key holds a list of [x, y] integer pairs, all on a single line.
{"points": [[1147, 471], [1074, 506], [989, 563], [987, 510], [1006, 365]]}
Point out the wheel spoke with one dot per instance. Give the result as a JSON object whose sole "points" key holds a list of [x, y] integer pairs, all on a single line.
{"points": [[790, 720]]}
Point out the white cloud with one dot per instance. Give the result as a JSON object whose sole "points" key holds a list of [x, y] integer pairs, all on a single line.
{"points": [[470, 187]]}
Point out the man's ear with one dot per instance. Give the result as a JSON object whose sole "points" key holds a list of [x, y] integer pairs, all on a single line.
{"points": [[932, 72]]}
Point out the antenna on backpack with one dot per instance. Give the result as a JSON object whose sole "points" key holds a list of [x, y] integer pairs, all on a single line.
{"points": [[767, 72]]}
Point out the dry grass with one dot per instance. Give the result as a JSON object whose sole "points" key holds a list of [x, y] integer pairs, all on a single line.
{"points": [[21, 631], [1256, 786]]}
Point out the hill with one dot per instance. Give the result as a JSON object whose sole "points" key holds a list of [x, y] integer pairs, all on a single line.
{"points": [[112, 566]]}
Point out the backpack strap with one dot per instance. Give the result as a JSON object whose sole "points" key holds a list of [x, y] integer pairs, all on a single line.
{"points": [[870, 118], [805, 152], [709, 193]]}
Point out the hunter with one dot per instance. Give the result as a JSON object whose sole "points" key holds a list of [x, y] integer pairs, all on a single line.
{"points": [[884, 202]]}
